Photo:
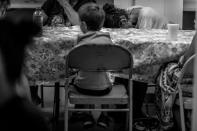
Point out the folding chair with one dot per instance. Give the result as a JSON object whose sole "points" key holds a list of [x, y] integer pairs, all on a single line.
{"points": [[103, 57], [185, 102]]}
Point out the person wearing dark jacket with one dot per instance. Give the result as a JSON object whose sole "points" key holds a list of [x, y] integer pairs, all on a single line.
{"points": [[16, 112]]}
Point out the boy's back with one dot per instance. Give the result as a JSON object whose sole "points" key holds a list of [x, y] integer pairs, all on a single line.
{"points": [[92, 19]]}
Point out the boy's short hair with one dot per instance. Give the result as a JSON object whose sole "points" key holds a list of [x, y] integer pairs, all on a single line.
{"points": [[92, 15], [81, 3]]}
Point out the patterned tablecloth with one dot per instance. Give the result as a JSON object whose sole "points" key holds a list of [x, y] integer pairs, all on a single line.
{"points": [[45, 60]]}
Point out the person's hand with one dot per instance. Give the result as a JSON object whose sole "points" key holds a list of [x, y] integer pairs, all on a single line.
{"points": [[181, 61], [57, 20]]}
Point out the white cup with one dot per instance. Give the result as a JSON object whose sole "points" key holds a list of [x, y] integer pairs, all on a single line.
{"points": [[173, 31]]}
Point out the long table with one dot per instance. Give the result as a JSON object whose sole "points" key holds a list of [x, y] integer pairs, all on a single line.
{"points": [[45, 60]]}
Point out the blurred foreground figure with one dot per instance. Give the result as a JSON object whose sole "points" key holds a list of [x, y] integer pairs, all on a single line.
{"points": [[15, 111]]}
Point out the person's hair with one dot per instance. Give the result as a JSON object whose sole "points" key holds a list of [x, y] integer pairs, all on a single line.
{"points": [[82, 2], [113, 16], [14, 37], [8, 1], [93, 16], [134, 10]]}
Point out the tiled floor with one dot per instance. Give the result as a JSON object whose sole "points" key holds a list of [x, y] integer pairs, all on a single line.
{"points": [[116, 124], [117, 119]]}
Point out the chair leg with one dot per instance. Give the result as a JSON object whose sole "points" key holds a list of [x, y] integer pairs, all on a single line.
{"points": [[56, 106], [42, 95], [66, 117], [127, 122], [181, 110], [130, 121], [66, 110]]}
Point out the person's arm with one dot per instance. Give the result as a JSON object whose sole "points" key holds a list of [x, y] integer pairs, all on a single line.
{"points": [[72, 15]]}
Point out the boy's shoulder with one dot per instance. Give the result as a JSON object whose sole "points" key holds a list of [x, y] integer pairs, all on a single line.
{"points": [[93, 35]]}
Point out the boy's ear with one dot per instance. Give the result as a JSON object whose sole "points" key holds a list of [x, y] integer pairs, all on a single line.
{"points": [[83, 27]]}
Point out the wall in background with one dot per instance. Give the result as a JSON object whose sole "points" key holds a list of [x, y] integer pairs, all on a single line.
{"points": [[102, 2], [189, 5], [123, 5], [188, 20]]}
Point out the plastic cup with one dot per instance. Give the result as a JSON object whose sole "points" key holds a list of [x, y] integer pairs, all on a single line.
{"points": [[173, 31]]}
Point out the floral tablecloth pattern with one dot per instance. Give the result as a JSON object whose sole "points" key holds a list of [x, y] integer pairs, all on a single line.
{"points": [[45, 59]]}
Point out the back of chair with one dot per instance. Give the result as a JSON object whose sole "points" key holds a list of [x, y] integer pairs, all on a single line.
{"points": [[187, 72], [188, 69], [99, 57]]}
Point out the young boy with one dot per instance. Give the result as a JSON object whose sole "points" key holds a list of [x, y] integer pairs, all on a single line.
{"points": [[93, 83]]}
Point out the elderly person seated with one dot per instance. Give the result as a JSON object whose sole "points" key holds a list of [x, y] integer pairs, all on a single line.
{"points": [[145, 18], [134, 17]]}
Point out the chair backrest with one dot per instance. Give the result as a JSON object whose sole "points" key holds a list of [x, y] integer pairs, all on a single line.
{"points": [[186, 72], [188, 69], [99, 57]]}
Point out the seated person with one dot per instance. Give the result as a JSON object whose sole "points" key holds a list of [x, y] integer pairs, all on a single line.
{"points": [[93, 83], [61, 12], [16, 112], [166, 85], [53, 13], [146, 18], [98, 83]]}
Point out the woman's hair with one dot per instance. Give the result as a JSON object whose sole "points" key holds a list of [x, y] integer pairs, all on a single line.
{"points": [[93, 16], [133, 14], [134, 9], [14, 37], [113, 16]]}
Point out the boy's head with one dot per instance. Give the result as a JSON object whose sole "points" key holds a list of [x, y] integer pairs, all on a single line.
{"points": [[92, 17], [78, 3]]}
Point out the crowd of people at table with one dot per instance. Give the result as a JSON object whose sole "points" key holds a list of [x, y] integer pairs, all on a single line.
{"points": [[16, 110]]}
